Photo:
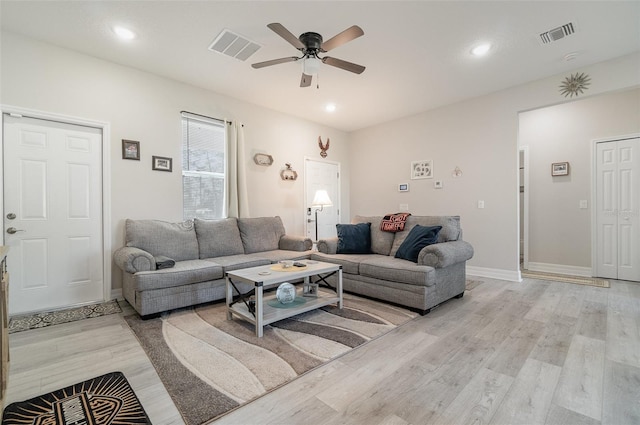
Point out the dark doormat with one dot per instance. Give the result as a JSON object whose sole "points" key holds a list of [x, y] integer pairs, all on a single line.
{"points": [[107, 399]]}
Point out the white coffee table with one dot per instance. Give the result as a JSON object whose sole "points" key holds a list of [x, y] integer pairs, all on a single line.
{"points": [[264, 277]]}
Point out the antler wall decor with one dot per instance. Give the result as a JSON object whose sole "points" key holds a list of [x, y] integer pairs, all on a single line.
{"points": [[323, 148]]}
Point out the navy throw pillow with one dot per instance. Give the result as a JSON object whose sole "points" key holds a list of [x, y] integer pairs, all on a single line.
{"points": [[418, 238], [354, 238]]}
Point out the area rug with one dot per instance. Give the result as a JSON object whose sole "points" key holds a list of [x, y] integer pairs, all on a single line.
{"points": [[105, 400], [41, 320], [200, 355], [579, 280]]}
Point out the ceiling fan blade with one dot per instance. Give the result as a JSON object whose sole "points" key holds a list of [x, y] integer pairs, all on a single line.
{"points": [[305, 81], [347, 66], [342, 38], [274, 62], [286, 34]]}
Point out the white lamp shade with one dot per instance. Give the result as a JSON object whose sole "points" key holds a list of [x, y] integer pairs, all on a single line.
{"points": [[311, 66], [321, 199]]}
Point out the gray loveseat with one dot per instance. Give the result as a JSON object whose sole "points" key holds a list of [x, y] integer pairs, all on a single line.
{"points": [[203, 250], [438, 275]]}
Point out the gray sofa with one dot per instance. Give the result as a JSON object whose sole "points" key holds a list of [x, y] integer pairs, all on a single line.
{"points": [[438, 275], [203, 250]]}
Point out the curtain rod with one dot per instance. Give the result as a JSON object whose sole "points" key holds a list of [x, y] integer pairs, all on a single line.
{"points": [[204, 116]]}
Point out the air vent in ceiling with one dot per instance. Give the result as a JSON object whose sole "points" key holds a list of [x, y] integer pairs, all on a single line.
{"points": [[234, 45], [557, 33]]}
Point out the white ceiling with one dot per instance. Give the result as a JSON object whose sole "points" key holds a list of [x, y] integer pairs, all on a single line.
{"points": [[416, 53]]}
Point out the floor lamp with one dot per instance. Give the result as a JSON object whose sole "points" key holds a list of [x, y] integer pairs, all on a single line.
{"points": [[321, 199]]}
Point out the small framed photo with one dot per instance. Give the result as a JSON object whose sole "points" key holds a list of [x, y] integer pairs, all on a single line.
{"points": [[422, 169], [310, 290], [403, 187], [130, 150], [560, 169], [161, 163]]}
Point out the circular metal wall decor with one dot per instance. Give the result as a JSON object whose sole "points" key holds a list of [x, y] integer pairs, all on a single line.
{"points": [[575, 84]]}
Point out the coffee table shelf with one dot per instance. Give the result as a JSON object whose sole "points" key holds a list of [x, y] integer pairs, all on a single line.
{"points": [[265, 313]]}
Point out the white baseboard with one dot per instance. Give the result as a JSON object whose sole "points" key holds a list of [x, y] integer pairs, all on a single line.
{"points": [[510, 275], [116, 294], [560, 269]]}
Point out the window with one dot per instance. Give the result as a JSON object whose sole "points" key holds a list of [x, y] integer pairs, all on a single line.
{"points": [[203, 167]]}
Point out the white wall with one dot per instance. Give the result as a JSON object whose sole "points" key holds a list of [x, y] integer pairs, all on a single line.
{"points": [[145, 107], [481, 137], [559, 231]]}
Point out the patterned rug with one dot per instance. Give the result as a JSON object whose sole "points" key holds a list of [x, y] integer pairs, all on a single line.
{"points": [[104, 400], [41, 320], [200, 355], [579, 280]]}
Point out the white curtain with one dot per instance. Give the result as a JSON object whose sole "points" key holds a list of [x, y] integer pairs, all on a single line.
{"points": [[238, 201]]}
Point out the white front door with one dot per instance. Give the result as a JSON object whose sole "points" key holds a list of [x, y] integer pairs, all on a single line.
{"points": [[52, 213], [618, 209], [322, 175]]}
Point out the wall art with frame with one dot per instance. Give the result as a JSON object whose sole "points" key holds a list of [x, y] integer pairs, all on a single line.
{"points": [[161, 163], [130, 150], [422, 169], [560, 169]]}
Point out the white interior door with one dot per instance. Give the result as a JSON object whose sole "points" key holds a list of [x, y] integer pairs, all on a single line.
{"points": [[322, 175], [618, 209], [52, 213]]}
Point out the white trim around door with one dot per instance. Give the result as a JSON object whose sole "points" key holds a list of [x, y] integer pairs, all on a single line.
{"points": [[106, 177]]}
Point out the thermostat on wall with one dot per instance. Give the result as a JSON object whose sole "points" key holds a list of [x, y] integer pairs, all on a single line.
{"points": [[403, 187]]}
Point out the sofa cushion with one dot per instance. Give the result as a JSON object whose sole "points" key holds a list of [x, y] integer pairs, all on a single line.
{"points": [[397, 270], [160, 238], [354, 238], [350, 262], [260, 234], [450, 229], [418, 238], [381, 241], [218, 238], [283, 254], [184, 273], [237, 262]]}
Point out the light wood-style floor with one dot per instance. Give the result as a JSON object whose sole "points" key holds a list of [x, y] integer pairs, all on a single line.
{"points": [[535, 352]]}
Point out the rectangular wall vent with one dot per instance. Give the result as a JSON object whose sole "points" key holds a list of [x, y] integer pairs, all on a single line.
{"points": [[557, 33], [234, 45]]}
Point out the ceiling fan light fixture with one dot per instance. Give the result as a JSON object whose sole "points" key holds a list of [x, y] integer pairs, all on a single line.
{"points": [[330, 107], [311, 65]]}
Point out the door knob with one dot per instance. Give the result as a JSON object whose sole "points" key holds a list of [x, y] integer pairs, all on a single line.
{"points": [[12, 230], [11, 216]]}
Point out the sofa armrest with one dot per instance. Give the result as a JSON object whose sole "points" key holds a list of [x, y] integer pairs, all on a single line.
{"points": [[295, 243], [133, 260], [328, 246], [445, 254]]}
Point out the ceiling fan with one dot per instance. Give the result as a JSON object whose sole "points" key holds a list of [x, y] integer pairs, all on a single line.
{"points": [[311, 44]]}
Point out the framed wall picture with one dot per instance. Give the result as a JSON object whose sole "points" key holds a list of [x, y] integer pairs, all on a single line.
{"points": [[161, 163], [560, 169], [130, 150], [422, 169]]}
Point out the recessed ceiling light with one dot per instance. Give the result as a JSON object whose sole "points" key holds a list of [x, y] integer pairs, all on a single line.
{"points": [[481, 49], [124, 33], [331, 107]]}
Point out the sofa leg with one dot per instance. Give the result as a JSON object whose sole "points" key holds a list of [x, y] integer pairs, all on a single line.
{"points": [[424, 312], [460, 295], [150, 316]]}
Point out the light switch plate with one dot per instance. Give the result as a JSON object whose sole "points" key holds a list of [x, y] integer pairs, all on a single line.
{"points": [[584, 204], [404, 207], [480, 204]]}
